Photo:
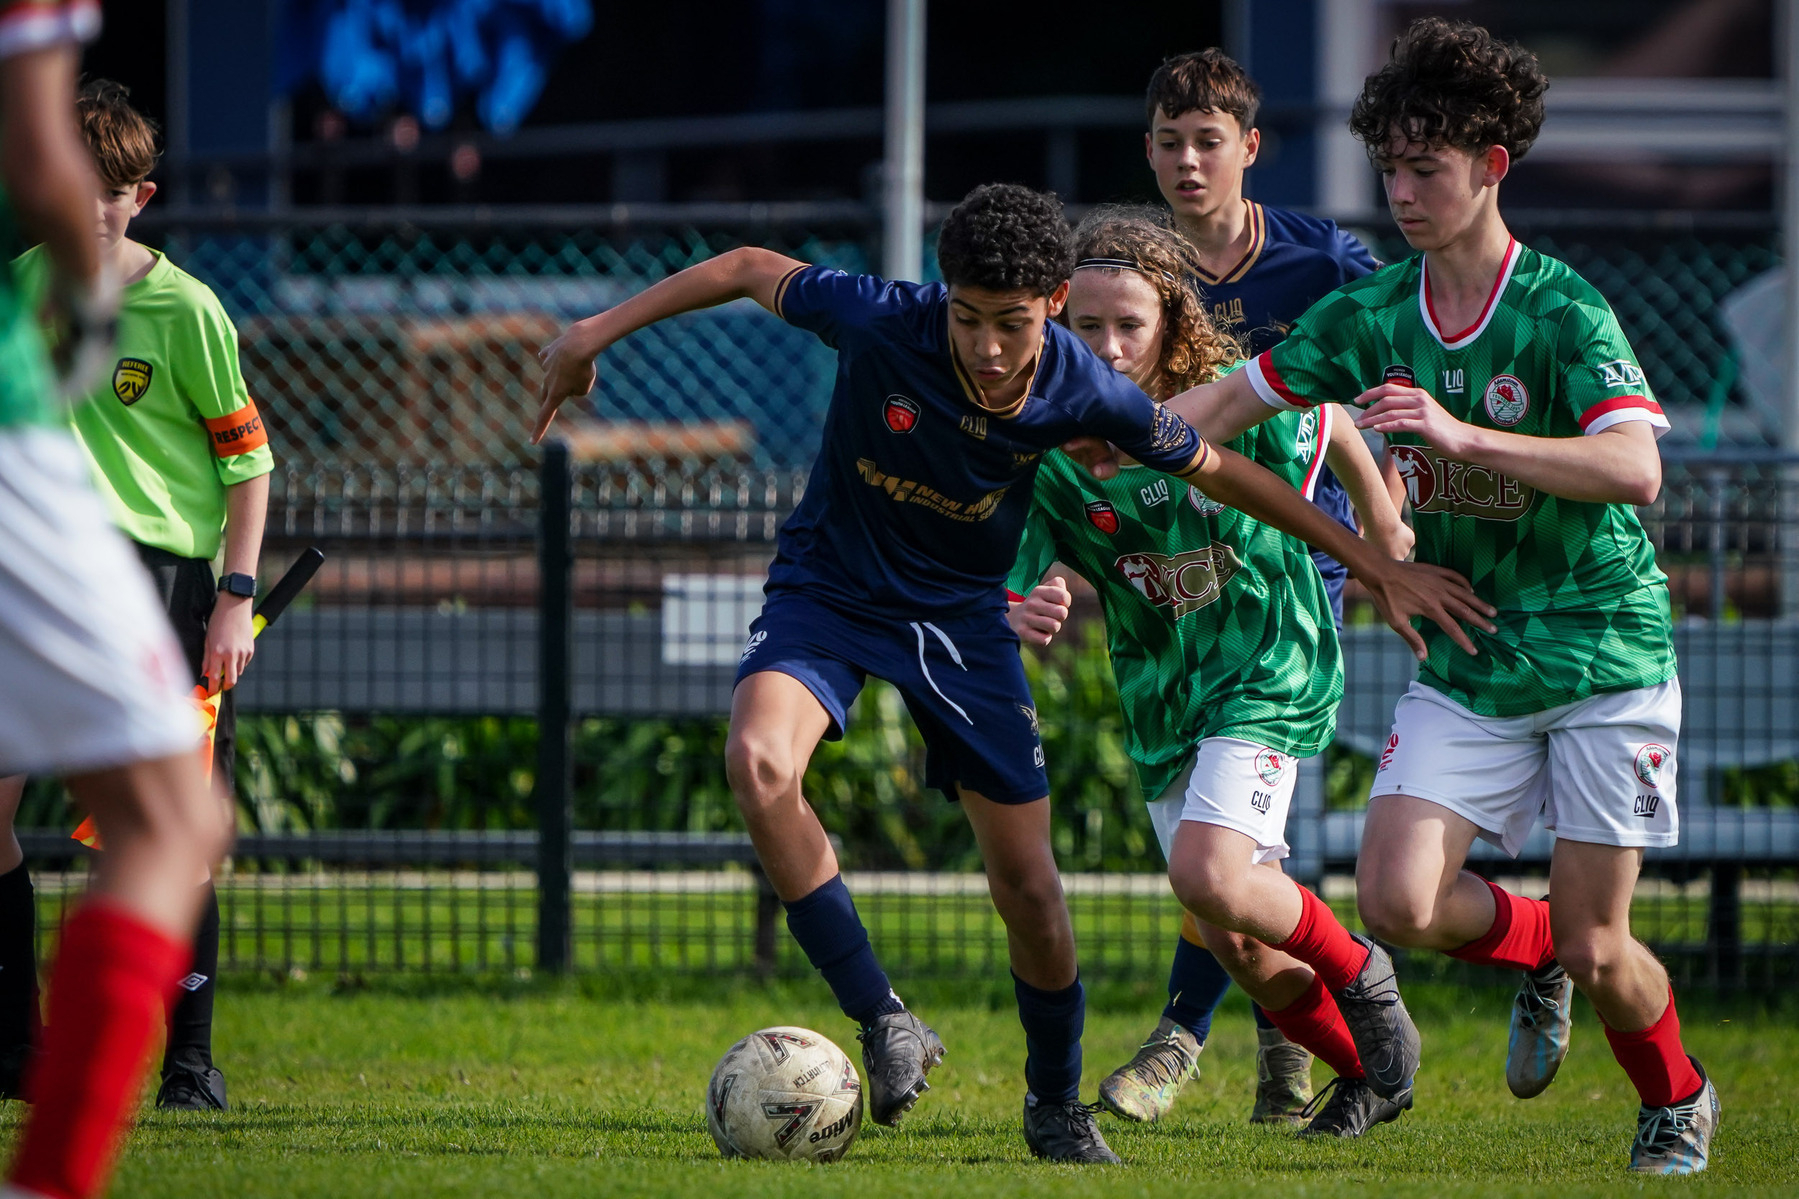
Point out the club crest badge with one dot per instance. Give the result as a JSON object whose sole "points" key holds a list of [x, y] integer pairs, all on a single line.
{"points": [[901, 413], [131, 379], [1202, 503], [1651, 760], [1507, 400], [1103, 516], [1270, 765]]}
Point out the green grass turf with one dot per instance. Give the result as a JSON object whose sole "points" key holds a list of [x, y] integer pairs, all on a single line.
{"points": [[419, 1088]]}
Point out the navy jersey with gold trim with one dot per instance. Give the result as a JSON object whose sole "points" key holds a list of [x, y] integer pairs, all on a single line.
{"points": [[919, 494], [1293, 261]]}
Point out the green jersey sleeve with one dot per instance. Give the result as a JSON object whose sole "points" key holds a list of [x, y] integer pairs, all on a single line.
{"points": [[203, 355], [1035, 552], [1598, 379], [1319, 361]]}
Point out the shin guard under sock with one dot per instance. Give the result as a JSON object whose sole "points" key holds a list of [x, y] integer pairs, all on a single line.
{"points": [[1313, 1022], [1519, 937], [1053, 1022], [113, 976], [1655, 1059], [190, 1020], [827, 927], [1321, 942]]}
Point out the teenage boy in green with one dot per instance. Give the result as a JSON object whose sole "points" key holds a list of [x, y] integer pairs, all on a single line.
{"points": [[182, 459]]}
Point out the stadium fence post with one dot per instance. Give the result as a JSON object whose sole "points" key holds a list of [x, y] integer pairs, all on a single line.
{"points": [[555, 761]]}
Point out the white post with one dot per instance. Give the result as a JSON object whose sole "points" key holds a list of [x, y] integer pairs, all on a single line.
{"points": [[903, 172], [1347, 51]]}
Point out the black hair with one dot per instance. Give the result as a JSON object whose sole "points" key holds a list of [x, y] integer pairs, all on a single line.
{"points": [[1450, 83], [1004, 237]]}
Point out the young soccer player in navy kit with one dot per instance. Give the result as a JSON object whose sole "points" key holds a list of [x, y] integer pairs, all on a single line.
{"points": [[1259, 269], [894, 566]]}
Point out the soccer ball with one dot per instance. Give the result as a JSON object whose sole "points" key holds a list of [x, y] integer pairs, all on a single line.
{"points": [[785, 1094]]}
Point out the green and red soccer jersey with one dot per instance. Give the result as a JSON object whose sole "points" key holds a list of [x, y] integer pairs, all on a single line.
{"points": [[1583, 608], [1217, 624]]}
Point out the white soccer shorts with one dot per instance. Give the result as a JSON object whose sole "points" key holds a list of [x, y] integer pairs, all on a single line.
{"points": [[90, 675], [1600, 770], [1236, 785]]}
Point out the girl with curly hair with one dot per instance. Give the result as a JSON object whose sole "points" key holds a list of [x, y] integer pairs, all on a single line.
{"points": [[1226, 655]]}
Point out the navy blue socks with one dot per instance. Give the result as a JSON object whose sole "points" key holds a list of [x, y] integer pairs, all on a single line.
{"points": [[1262, 1020], [1052, 1021], [1196, 986], [827, 927]]}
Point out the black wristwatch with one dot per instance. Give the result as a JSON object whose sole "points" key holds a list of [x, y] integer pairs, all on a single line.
{"points": [[239, 585]]}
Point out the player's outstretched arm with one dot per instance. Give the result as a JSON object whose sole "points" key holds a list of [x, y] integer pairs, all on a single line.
{"points": [[747, 273], [1219, 411], [1349, 459], [1400, 590], [1618, 466]]}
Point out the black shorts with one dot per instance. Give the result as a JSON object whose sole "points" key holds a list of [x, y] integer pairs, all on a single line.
{"points": [[188, 590]]}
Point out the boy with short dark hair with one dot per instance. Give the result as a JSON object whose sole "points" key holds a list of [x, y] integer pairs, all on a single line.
{"points": [[182, 459], [894, 566]]}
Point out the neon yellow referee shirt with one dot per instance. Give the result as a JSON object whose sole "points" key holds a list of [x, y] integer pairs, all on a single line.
{"points": [[173, 425]]}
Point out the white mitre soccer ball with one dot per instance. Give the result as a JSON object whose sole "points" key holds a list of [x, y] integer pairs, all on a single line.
{"points": [[786, 1094]]}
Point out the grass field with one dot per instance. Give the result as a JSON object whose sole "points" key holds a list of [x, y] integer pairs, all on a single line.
{"points": [[588, 1088]]}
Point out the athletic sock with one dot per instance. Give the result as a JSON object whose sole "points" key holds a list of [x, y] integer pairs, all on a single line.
{"points": [[1313, 1022], [18, 960], [1053, 1022], [113, 976], [1196, 986], [190, 1020], [1655, 1060], [1321, 942], [1519, 937], [827, 927], [1263, 1019]]}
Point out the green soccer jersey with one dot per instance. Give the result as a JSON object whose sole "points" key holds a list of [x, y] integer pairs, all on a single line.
{"points": [[174, 425], [1217, 624], [1583, 608], [26, 388]]}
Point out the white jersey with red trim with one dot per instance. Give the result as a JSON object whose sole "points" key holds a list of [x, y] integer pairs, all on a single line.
{"points": [[27, 25], [1583, 608]]}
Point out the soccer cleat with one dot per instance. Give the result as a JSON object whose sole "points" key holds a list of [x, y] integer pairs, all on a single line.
{"points": [[898, 1049], [1385, 1037], [1283, 1079], [1066, 1132], [191, 1089], [1677, 1139], [1542, 1018], [1144, 1087], [1348, 1107]]}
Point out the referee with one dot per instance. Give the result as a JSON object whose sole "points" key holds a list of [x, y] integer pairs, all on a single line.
{"points": [[182, 459]]}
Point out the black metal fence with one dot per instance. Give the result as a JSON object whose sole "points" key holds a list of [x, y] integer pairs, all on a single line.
{"points": [[490, 739]]}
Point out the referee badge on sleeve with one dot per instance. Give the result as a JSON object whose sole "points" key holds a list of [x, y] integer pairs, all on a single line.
{"points": [[131, 379]]}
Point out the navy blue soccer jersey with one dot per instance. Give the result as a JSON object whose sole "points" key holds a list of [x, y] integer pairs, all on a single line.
{"points": [[1293, 261], [918, 497]]}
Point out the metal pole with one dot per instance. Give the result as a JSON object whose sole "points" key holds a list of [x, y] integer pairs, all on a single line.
{"points": [[1789, 233], [176, 67], [555, 759], [903, 172]]}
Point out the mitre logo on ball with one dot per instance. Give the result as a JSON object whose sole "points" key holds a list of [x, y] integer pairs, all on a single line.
{"points": [[901, 413]]}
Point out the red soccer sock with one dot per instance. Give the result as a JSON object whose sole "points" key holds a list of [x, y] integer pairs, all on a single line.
{"points": [[1655, 1060], [1321, 942], [1313, 1022], [114, 976], [1519, 937]]}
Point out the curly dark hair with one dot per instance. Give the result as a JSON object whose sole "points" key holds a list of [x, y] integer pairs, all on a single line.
{"points": [[1194, 350], [1450, 83], [1004, 237]]}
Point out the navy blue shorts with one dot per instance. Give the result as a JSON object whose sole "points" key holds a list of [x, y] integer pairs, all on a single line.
{"points": [[961, 678]]}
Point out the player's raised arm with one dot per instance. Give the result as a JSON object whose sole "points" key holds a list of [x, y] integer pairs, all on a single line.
{"points": [[747, 273], [1219, 411], [1401, 590]]}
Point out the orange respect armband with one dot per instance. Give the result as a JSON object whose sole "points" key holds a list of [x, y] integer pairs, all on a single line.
{"points": [[238, 433]]}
